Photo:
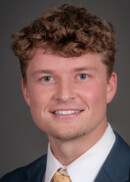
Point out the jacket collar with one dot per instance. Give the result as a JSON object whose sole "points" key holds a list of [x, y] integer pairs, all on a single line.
{"points": [[116, 166], [36, 170]]}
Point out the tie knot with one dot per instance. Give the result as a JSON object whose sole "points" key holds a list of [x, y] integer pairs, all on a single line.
{"points": [[58, 177]]}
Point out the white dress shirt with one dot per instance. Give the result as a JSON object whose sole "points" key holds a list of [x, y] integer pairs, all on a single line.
{"points": [[86, 167]]}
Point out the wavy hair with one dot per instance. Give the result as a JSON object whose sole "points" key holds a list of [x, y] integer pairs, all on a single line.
{"points": [[68, 31]]}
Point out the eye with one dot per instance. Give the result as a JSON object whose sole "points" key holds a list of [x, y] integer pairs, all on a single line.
{"points": [[46, 78], [83, 76]]}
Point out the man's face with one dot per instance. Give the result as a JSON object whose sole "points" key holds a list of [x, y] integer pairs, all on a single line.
{"points": [[68, 96]]}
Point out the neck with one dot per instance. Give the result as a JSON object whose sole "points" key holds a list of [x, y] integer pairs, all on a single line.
{"points": [[68, 151]]}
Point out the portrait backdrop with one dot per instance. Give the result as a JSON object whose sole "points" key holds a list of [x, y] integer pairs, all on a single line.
{"points": [[20, 140]]}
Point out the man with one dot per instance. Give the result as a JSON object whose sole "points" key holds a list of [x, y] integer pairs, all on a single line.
{"points": [[67, 60]]}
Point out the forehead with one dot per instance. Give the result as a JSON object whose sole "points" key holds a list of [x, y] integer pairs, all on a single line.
{"points": [[50, 60]]}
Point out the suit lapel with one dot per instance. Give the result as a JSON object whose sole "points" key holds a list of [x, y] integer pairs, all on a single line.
{"points": [[116, 166], [103, 177], [36, 171]]}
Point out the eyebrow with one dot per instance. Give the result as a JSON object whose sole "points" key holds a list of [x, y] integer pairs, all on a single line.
{"points": [[42, 71], [85, 69], [75, 70]]}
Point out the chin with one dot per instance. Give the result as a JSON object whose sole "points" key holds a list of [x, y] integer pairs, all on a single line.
{"points": [[67, 136]]}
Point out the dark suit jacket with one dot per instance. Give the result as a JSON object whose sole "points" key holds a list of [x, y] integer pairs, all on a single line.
{"points": [[116, 168]]}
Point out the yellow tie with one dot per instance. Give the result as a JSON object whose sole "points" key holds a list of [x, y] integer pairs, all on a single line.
{"points": [[58, 177]]}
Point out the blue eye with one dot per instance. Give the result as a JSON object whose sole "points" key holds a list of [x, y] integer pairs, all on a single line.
{"points": [[83, 76], [46, 78]]}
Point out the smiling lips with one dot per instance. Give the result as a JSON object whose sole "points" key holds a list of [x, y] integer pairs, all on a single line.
{"points": [[66, 112]]}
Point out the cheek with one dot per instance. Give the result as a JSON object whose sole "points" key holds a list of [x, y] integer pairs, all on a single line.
{"points": [[39, 101], [94, 93], [39, 97]]}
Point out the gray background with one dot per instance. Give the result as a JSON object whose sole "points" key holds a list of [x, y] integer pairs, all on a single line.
{"points": [[20, 140]]}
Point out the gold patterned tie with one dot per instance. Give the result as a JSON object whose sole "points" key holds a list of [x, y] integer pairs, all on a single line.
{"points": [[58, 177]]}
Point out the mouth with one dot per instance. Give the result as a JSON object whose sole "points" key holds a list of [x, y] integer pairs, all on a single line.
{"points": [[69, 113], [66, 112]]}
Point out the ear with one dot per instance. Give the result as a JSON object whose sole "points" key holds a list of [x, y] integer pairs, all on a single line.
{"points": [[111, 87], [25, 93]]}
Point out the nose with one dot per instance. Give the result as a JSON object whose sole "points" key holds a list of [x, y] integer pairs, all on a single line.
{"points": [[65, 91]]}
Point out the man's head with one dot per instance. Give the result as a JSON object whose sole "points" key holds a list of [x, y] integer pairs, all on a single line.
{"points": [[67, 31], [67, 59]]}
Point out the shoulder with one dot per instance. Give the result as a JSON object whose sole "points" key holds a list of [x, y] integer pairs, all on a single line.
{"points": [[116, 167], [118, 161], [121, 145], [120, 152], [21, 174]]}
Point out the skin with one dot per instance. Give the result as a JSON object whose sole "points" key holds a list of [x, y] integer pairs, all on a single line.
{"points": [[55, 83]]}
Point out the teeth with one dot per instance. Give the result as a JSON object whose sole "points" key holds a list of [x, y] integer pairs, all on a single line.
{"points": [[66, 112]]}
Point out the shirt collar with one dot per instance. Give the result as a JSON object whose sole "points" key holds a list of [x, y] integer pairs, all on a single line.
{"points": [[91, 161], [52, 165]]}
